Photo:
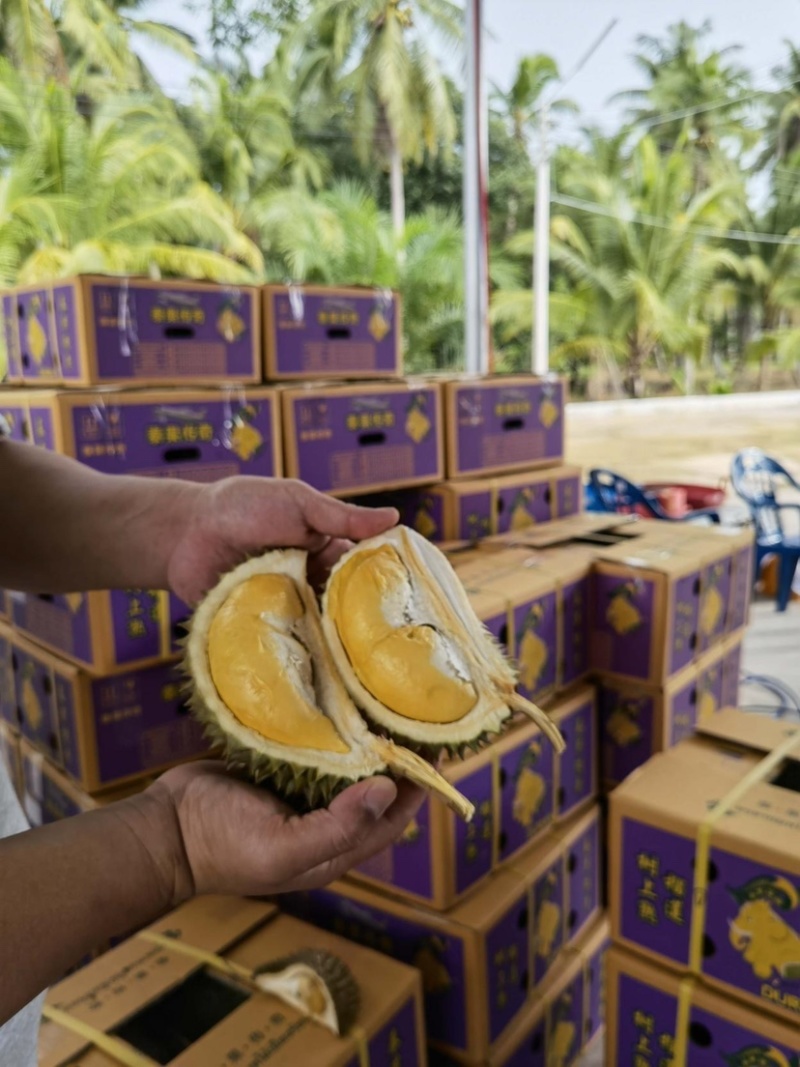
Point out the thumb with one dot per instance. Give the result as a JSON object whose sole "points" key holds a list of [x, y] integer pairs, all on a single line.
{"points": [[322, 836], [335, 518]]}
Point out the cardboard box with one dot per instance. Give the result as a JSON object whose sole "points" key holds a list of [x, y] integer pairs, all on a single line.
{"points": [[201, 435], [638, 720], [48, 795], [181, 1012], [102, 731], [485, 959], [34, 345], [349, 440], [643, 1019], [316, 331], [519, 787], [10, 756], [10, 336], [137, 331], [503, 423], [748, 922], [661, 599]]}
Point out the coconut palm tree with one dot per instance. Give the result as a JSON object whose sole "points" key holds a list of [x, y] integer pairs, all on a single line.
{"points": [[782, 128], [377, 55]]}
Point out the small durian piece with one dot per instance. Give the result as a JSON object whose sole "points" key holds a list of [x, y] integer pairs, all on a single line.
{"points": [[266, 688], [316, 983], [414, 656]]}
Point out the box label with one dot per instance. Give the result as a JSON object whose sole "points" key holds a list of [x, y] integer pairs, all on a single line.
{"points": [[583, 868], [358, 441], [536, 644], [396, 1044], [35, 703], [574, 631], [569, 496], [150, 332], [524, 505], [197, 441], [10, 334], [578, 764], [474, 841], [510, 425], [42, 428], [68, 726], [526, 793], [627, 720], [408, 863], [334, 333], [474, 517], [657, 884], [508, 979], [141, 722], [622, 624], [685, 640], [741, 586], [549, 919], [438, 954], [66, 336], [36, 351]]}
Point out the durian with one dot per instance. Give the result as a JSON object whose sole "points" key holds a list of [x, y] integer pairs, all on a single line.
{"points": [[706, 706], [413, 654], [418, 424], [521, 518], [36, 340], [31, 706], [622, 729], [316, 983], [266, 688], [711, 611], [548, 924], [528, 796], [560, 1050], [623, 616]]}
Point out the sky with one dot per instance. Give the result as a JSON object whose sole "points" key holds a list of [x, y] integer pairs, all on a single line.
{"points": [[565, 29]]}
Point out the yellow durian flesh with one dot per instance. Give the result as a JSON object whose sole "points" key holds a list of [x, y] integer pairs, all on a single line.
{"points": [[437, 679], [261, 671], [404, 665]]}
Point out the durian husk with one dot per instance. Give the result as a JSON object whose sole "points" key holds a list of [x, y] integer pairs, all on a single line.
{"points": [[438, 602], [308, 777]]}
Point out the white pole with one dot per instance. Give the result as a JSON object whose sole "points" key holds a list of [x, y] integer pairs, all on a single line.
{"points": [[540, 361], [476, 264]]}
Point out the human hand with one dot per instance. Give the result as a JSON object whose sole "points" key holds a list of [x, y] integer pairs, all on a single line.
{"points": [[217, 834], [228, 520]]}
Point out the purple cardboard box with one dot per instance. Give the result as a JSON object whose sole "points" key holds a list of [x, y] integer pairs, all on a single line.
{"points": [[522, 501], [327, 332], [8, 310], [37, 353], [503, 424], [355, 439], [143, 332]]}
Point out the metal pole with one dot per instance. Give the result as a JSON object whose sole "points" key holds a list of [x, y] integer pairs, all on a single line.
{"points": [[476, 254], [540, 355]]}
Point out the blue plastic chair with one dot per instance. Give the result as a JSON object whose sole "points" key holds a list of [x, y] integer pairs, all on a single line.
{"points": [[612, 492], [757, 477]]}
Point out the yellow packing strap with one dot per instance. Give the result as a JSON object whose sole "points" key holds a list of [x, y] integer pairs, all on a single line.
{"points": [[681, 1048], [164, 627], [118, 1050]]}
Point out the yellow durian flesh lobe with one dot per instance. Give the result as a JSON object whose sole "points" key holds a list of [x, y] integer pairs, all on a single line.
{"points": [[394, 663], [261, 672]]}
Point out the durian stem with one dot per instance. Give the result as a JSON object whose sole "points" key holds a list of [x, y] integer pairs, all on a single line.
{"points": [[517, 702], [416, 769]]}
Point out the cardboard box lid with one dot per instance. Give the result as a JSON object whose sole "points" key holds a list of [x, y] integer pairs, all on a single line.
{"points": [[111, 990], [562, 531]]}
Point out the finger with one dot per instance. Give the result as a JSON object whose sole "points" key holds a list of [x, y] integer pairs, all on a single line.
{"points": [[323, 835], [335, 518], [409, 800]]}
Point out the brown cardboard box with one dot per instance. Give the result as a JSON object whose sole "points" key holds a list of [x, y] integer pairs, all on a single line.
{"points": [[137, 331], [10, 755], [519, 787], [323, 331], [102, 731], [353, 439], [643, 1020], [503, 423], [181, 1013], [48, 795], [746, 921], [10, 336], [638, 720], [484, 959]]}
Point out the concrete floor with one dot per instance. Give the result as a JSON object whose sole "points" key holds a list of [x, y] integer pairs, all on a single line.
{"points": [[694, 439]]}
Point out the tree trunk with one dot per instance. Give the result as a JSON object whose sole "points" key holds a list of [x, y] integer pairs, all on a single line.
{"points": [[634, 383], [397, 187]]}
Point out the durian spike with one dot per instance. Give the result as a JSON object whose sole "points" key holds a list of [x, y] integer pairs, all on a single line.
{"points": [[517, 702], [316, 983], [420, 772]]}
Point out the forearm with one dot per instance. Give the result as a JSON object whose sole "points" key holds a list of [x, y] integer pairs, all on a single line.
{"points": [[67, 528], [67, 888]]}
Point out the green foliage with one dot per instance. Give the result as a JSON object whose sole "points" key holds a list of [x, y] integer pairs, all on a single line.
{"points": [[340, 162]]}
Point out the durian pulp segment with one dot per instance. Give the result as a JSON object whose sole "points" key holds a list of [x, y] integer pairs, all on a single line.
{"points": [[301, 986], [262, 671], [398, 653]]}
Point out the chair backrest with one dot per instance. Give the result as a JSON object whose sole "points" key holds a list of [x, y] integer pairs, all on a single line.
{"points": [[756, 478], [619, 495]]}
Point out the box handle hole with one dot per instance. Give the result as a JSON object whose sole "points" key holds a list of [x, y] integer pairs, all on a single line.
{"points": [[338, 333], [182, 455], [179, 333], [366, 439], [513, 424]]}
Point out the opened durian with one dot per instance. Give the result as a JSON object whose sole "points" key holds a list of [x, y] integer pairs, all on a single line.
{"points": [[316, 983], [412, 653], [266, 687]]}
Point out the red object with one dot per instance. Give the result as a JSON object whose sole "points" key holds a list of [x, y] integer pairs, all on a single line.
{"points": [[678, 500]]}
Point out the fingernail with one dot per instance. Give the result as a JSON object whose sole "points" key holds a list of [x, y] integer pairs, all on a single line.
{"points": [[379, 797]]}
